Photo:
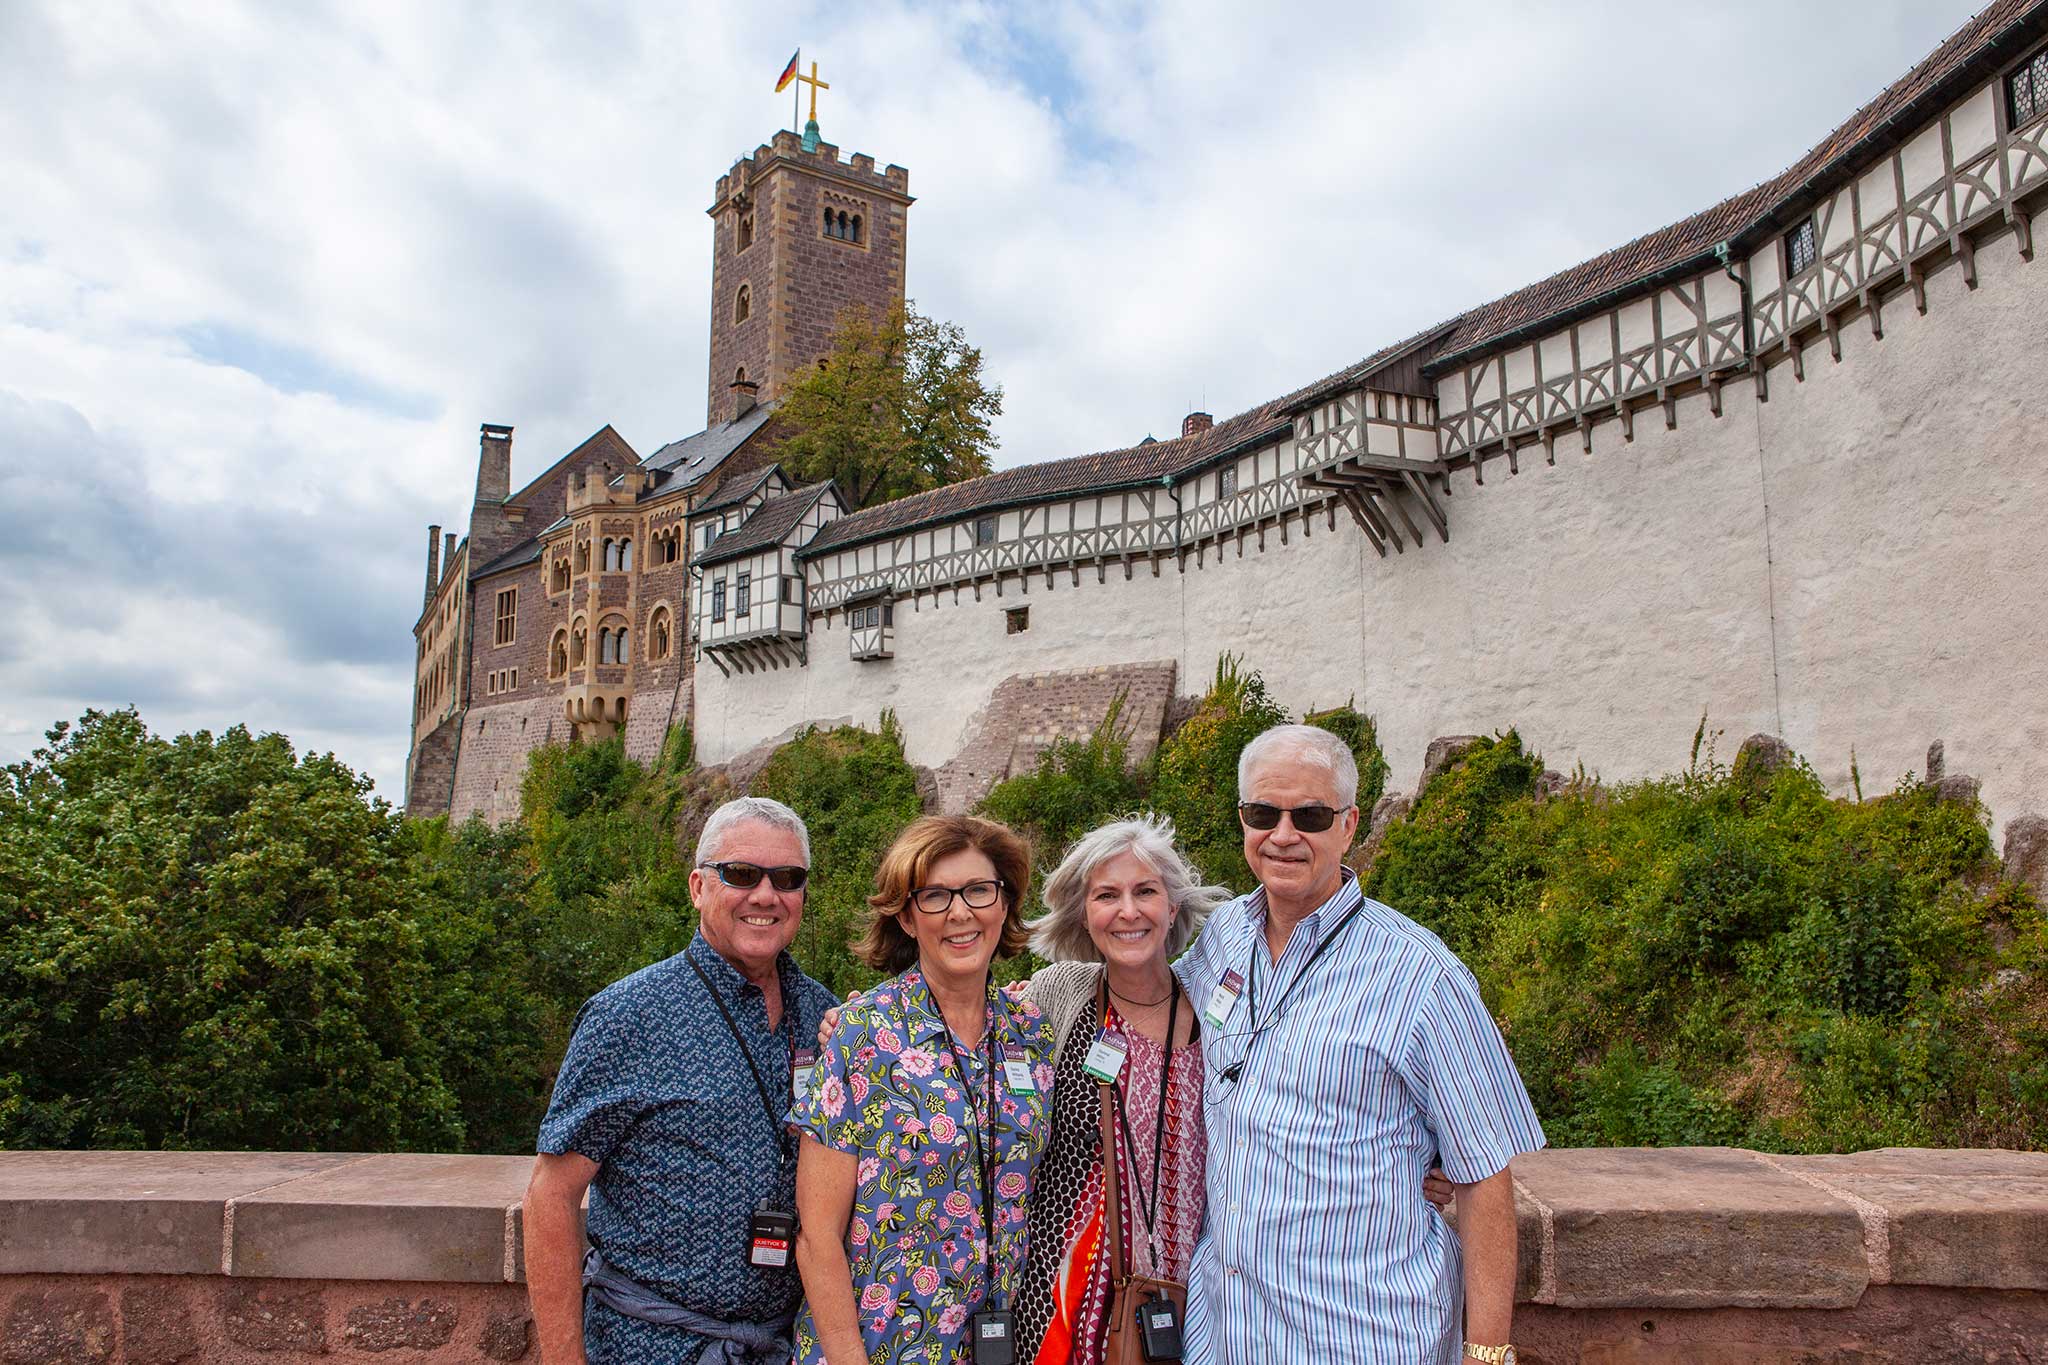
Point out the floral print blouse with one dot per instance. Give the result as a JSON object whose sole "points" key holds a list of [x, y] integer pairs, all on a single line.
{"points": [[888, 1089]]}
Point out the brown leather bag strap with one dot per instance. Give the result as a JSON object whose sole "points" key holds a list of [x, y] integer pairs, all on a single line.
{"points": [[1113, 1222]]}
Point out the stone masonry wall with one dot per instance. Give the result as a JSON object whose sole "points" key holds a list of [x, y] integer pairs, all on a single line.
{"points": [[1028, 713], [430, 785], [492, 762], [1680, 1256]]}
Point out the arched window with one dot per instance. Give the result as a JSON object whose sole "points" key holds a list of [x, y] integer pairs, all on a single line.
{"points": [[659, 632], [828, 224], [604, 645], [579, 647], [611, 555], [843, 232], [856, 227], [626, 555], [558, 655], [746, 231], [621, 648], [583, 557], [739, 376], [742, 304]]}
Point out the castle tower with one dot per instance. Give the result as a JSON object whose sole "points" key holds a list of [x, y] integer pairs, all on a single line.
{"points": [[798, 236]]}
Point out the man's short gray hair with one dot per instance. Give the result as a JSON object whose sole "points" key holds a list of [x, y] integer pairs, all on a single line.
{"points": [[1307, 744], [750, 810], [1061, 934]]}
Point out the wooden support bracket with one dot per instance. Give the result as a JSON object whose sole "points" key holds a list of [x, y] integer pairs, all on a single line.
{"points": [[1514, 464], [2023, 227], [1549, 446], [1917, 282], [1873, 303], [1798, 353], [1356, 507], [1670, 403], [1478, 466], [1714, 394], [1628, 420], [1585, 434], [1966, 253], [1420, 488], [1834, 331]]}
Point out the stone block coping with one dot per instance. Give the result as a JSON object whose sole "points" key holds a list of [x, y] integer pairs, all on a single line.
{"points": [[1689, 1227]]}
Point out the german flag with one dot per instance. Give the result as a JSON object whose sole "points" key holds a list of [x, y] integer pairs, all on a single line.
{"points": [[788, 72]]}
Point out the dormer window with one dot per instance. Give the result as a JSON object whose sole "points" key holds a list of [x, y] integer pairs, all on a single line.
{"points": [[2028, 89], [1802, 249]]}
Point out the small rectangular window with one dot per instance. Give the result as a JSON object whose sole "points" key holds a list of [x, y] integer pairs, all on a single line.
{"points": [[984, 530], [508, 616], [1016, 620], [1802, 249], [742, 594], [1226, 483], [515, 680], [718, 600], [791, 585], [2028, 89]]}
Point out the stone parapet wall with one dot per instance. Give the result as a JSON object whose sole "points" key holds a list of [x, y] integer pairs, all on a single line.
{"points": [[1029, 713], [1703, 1255]]}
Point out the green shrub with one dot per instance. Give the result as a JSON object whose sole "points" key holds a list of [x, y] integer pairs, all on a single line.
{"points": [[1077, 786], [1195, 775], [1357, 731], [856, 792]]}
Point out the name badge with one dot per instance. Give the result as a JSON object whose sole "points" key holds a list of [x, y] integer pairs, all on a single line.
{"points": [[1223, 999], [800, 1075], [1105, 1059], [771, 1236], [1017, 1071]]}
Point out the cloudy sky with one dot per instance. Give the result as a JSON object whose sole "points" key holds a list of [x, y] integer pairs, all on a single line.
{"points": [[265, 267]]}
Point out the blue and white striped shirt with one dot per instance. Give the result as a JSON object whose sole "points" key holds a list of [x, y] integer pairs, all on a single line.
{"points": [[1381, 1062]]}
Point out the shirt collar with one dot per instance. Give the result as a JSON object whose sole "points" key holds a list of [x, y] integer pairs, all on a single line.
{"points": [[1341, 899], [921, 1013], [728, 979]]}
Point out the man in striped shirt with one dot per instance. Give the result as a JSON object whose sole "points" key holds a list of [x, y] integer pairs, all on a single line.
{"points": [[1347, 1051]]}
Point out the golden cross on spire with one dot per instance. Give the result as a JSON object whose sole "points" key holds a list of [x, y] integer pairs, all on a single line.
{"points": [[816, 85]]}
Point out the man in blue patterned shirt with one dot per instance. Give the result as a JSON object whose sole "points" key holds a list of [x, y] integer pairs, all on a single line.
{"points": [[1346, 1051], [669, 1112]]}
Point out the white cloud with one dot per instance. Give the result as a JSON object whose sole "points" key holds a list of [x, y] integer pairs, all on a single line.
{"points": [[263, 269]]}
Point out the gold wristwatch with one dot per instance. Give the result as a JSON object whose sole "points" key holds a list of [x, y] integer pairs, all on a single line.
{"points": [[1492, 1355]]}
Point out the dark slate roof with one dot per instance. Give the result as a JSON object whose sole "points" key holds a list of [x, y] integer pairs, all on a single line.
{"points": [[525, 552], [739, 492], [773, 520], [691, 458], [1147, 462], [1687, 245]]}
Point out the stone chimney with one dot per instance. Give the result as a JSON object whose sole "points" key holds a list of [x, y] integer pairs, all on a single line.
{"points": [[491, 532], [447, 552], [1195, 423], [745, 394], [433, 564]]}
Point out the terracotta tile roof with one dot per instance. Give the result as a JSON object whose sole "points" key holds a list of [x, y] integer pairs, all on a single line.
{"points": [[771, 521], [1144, 463], [1684, 243]]}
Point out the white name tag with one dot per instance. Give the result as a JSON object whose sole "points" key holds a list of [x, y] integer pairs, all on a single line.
{"points": [[1017, 1071], [800, 1075], [1105, 1059], [1223, 999]]}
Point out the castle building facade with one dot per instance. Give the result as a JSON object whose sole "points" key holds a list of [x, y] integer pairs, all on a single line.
{"points": [[1781, 464]]}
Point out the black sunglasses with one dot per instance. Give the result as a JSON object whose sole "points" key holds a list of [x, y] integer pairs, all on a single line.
{"points": [[747, 876], [1307, 819]]}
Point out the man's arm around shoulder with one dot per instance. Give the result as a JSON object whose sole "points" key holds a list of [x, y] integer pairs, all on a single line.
{"points": [[553, 1231]]}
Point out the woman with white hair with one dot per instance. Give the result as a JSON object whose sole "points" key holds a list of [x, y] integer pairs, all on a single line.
{"points": [[1127, 1061]]}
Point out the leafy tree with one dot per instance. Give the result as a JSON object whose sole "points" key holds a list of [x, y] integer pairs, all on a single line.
{"points": [[897, 407], [210, 943], [1195, 777]]}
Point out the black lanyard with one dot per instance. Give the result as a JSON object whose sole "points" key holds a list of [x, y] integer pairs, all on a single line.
{"points": [[982, 1155], [1236, 1069], [760, 1086], [1150, 1207]]}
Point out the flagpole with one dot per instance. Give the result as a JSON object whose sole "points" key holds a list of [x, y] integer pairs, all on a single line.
{"points": [[796, 90]]}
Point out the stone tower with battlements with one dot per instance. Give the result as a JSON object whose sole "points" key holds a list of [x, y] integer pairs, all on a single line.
{"points": [[798, 237]]}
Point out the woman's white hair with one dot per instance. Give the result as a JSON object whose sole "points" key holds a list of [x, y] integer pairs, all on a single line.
{"points": [[750, 810], [1308, 744], [1061, 934]]}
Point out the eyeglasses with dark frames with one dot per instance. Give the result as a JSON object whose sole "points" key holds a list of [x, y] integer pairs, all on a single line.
{"points": [[937, 900], [1308, 819], [747, 876]]}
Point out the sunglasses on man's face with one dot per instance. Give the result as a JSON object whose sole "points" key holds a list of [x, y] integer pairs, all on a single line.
{"points": [[1307, 819], [747, 876]]}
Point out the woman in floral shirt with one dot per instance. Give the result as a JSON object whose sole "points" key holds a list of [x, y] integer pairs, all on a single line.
{"points": [[926, 1113]]}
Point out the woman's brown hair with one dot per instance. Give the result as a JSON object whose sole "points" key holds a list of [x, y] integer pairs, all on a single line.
{"points": [[884, 945]]}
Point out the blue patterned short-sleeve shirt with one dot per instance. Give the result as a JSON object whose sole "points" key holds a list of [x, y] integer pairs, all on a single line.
{"points": [[889, 1090], [655, 1090]]}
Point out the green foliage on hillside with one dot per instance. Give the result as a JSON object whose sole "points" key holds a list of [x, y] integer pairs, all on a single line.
{"points": [[1737, 957], [1195, 775], [855, 792], [1359, 733], [1076, 786]]}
